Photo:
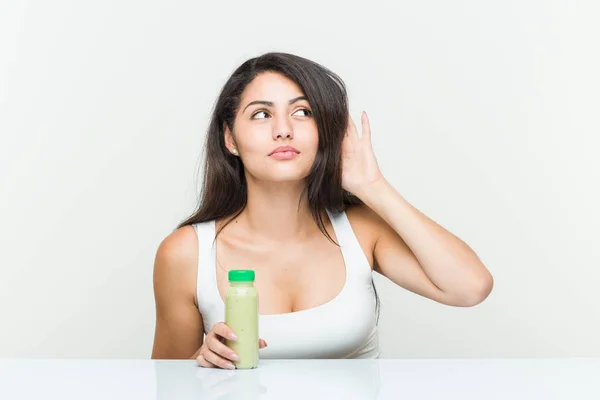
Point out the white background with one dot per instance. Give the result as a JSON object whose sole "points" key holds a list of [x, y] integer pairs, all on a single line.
{"points": [[484, 116]]}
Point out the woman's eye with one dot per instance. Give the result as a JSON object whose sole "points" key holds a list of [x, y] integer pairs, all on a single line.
{"points": [[308, 112], [305, 110], [260, 112]]}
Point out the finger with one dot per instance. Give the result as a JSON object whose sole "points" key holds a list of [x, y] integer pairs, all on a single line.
{"points": [[218, 361], [366, 127], [261, 344], [224, 331], [219, 348], [201, 361]]}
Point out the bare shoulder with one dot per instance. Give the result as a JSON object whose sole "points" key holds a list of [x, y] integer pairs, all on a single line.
{"points": [[367, 226], [176, 262], [179, 330], [365, 215]]}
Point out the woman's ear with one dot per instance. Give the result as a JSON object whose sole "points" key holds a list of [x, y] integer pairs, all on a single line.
{"points": [[229, 140]]}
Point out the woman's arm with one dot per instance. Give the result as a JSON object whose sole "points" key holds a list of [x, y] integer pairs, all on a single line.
{"points": [[179, 331], [410, 249], [418, 254]]}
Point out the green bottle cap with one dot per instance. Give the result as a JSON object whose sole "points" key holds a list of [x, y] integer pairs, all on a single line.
{"points": [[241, 275]]}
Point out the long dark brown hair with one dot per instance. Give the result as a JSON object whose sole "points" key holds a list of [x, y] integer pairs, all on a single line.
{"points": [[224, 188]]}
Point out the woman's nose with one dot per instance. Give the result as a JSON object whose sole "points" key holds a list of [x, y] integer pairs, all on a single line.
{"points": [[286, 134], [282, 129]]}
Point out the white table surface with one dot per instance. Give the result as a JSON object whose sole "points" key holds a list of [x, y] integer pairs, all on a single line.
{"points": [[479, 379]]}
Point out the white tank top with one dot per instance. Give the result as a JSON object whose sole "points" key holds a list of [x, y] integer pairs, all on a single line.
{"points": [[344, 327]]}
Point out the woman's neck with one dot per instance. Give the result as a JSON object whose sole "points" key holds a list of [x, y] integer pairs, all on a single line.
{"points": [[273, 212]]}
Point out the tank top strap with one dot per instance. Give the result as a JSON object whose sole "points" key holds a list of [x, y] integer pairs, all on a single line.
{"points": [[207, 292], [357, 265]]}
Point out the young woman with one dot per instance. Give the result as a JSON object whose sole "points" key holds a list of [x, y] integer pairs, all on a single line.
{"points": [[292, 191]]}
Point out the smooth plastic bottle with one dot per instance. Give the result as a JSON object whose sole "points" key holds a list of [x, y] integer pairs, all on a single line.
{"points": [[241, 315]]}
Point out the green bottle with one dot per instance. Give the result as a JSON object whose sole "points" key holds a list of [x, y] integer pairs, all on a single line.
{"points": [[241, 315]]}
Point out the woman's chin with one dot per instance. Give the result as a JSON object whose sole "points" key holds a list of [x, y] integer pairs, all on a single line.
{"points": [[283, 177], [289, 178]]}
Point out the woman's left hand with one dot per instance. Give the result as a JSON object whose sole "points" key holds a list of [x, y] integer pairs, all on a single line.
{"points": [[359, 166]]}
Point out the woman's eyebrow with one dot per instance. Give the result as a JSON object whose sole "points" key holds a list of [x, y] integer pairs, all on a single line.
{"points": [[271, 104]]}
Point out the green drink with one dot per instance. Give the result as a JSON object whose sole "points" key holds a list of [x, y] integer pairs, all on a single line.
{"points": [[241, 315]]}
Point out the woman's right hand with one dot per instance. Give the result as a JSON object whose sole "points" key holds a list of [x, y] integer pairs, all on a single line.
{"points": [[214, 353]]}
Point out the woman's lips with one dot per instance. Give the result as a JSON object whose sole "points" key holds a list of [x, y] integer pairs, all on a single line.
{"points": [[283, 155]]}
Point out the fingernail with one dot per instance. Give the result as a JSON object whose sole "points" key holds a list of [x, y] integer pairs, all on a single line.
{"points": [[230, 366], [232, 336], [235, 357]]}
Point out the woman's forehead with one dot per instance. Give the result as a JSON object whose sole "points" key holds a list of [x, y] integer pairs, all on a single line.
{"points": [[273, 87]]}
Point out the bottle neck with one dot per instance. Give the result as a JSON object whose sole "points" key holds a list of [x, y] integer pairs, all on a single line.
{"points": [[241, 284]]}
